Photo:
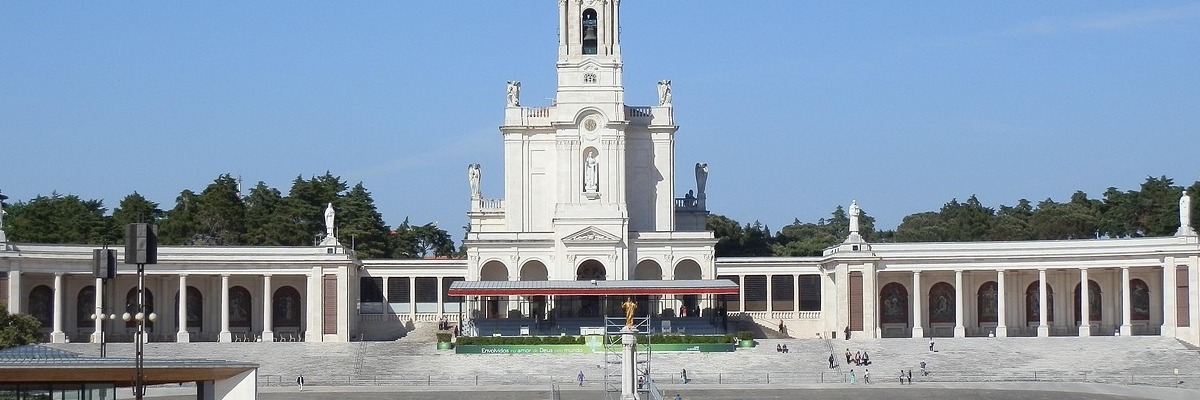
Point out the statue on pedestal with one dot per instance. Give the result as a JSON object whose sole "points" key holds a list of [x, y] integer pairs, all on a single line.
{"points": [[514, 93], [664, 92], [854, 213], [1185, 215], [473, 174], [630, 307], [329, 220], [701, 179]]}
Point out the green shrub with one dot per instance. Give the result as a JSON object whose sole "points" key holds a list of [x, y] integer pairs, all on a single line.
{"points": [[745, 335], [443, 337]]}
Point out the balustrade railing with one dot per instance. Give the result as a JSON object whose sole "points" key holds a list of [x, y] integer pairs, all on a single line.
{"points": [[639, 112], [490, 204]]}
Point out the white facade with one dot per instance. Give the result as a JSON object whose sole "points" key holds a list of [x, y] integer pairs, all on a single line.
{"points": [[589, 194]]}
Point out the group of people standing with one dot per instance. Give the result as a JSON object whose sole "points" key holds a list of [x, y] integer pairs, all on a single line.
{"points": [[860, 358]]}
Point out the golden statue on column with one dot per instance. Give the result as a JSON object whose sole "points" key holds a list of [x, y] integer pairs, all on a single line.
{"points": [[630, 307]]}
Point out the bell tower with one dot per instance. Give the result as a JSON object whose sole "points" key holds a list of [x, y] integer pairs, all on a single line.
{"points": [[589, 55]]}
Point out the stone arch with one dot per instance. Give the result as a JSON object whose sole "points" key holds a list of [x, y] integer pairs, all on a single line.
{"points": [[493, 270], [986, 306], [1139, 300], [240, 306], [1032, 309], [85, 306], [893, 304], [591, 269], [1094, 313], [285, 308], [131, 307], [688, 269], [647, 270], [41, 304], [534, 270], [941, 303]]}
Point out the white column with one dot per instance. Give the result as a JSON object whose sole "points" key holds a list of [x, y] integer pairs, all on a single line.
{"points": [[1043, 330], [58, 336], [412, 299], [1193, 295], [267, 334], [1085, 323], [97, 311], [14, 292], [1168, 293], [313, 307], [770, 307], [959, 330], [742, 293], [918, 329], [1126, 313], [796, 295], [870, 306], [182, 336], [1001, 313], [224, 335]]}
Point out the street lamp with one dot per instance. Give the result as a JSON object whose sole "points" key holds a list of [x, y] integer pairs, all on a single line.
{"points": [[141, 248]]}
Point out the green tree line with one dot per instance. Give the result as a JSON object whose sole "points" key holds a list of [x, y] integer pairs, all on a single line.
{"points": [[220, 216], [1152, 210]]}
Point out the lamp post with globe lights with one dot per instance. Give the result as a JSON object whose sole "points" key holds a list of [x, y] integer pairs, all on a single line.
{"points": [[141, 248]]}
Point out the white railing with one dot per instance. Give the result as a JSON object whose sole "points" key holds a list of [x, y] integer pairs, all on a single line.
{"points": [[490, 204], [639, 112], [418, 317], [689, 204], [536, 112], [777, 315]]}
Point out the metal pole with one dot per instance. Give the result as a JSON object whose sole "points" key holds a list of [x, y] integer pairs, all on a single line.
{"points": [[139, 383]]}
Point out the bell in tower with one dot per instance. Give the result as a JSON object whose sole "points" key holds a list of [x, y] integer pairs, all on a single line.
{"points": [[589, 32]]}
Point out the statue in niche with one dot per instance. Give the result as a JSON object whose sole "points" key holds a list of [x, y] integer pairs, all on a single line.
{"points": [[329, 220], [1185, 214], [701, 179], [473, 174], [514, 93], [854, 213], [590, 167], [664, 92]]}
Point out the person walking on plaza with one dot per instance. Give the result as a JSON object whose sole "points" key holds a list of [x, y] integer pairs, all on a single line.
{"points": [[683, 376], [847, 356], [300, 382], [901, 377], [830, 360], [867, 376], [909, 376], [852, 377], [930, 344], [580, 378], [677, 397]]}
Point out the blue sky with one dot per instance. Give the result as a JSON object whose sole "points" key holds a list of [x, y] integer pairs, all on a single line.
{"points": [[796, 106]]}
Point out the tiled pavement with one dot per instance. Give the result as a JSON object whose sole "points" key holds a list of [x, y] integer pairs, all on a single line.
{"points": [[414, 361]]}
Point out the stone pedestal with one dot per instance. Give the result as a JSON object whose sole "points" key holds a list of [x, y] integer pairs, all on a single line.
{"points": [[183, 337], [629, 363]]}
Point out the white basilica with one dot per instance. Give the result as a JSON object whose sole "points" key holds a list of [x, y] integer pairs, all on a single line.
{"points": [[590, 195]]}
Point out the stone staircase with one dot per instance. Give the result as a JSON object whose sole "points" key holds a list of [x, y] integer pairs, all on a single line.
{"points": [[414, 360]]}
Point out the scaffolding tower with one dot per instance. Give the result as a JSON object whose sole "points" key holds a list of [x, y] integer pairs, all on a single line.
{"points": [[612, 358]]}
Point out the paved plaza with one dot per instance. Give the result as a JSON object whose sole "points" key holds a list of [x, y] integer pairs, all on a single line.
{"points": [[411, 368]]}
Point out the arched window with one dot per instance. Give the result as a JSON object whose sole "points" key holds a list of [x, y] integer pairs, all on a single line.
{"points": [[239, 307], [1139, 300], [85, 306], [131, 307], [589, 31], [985, 302], [941, 303], [195, 308], [285, 307], [590, 269], [893, 304], [41, 305], [1032, 308], [1093, 302]]}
